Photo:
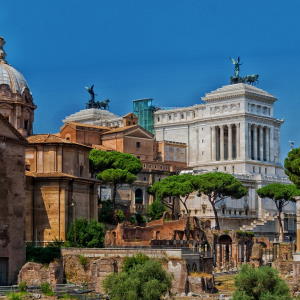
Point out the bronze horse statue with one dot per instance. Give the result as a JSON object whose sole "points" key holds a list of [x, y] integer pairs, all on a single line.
{"points": [[92, 103]]}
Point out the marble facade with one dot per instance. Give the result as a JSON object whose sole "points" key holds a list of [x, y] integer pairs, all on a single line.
{"points": [[233, 131]]}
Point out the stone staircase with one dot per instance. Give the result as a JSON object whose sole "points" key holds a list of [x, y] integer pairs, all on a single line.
{"points": [[267, 217]]}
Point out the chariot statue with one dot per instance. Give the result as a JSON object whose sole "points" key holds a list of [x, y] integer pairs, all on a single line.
{"points": [[92, 103], [250, 79]]}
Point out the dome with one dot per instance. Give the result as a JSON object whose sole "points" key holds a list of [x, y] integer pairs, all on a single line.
{"points": [[9, 75], [13, 78]]}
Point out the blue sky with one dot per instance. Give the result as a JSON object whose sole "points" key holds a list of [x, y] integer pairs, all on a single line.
{"points": [[171, 50]]}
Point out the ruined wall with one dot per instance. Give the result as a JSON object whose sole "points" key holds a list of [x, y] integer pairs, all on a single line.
{"points": [[35, 274]]}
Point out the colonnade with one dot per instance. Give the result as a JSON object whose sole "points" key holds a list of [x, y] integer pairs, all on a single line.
{"points": [[259, 142], [225, 142]]}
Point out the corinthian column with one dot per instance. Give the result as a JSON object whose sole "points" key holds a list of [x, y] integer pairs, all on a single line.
{"points": [[267, 144], [261, 141], [254, 142], [249, 141], [221, 142], [213, 143], [230, 142]]}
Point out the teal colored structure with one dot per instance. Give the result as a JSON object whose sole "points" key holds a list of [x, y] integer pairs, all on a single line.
{"points": [[144, 110]]}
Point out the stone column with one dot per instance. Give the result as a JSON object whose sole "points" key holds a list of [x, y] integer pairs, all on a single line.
{"points": [[221, 142], [261, 145], [271, 139], [213, 143], [254, 142], [238, 141], [229, 142], [249, 140], [267, 144]]}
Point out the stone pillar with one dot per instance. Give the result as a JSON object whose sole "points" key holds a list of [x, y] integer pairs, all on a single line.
{"points": [[229, 142], [249, 141], [213, 143], [254, 142], [221, 142], [238, 141], [271, 139], [261, 143], [267, 144]]}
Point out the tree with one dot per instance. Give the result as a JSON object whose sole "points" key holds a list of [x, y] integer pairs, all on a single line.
{"points": [[292, 166], [217, 186], [114, 168], [179, 186], [261, 283], [282, 195], [141, 278], [84, 233]]}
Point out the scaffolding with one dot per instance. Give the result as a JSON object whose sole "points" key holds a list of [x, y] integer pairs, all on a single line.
{"points": [[144, 110]]}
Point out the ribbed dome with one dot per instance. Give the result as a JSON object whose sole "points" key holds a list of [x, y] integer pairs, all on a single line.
{"points": [[9, 75], [13, 78]]}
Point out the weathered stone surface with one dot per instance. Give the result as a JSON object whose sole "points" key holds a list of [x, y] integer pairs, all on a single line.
{"points": [[201, 283], [92, 274], [36, 274], [179, 271]]}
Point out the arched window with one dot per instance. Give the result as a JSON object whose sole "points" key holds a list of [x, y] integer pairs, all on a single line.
{"points": [[138, 196]]}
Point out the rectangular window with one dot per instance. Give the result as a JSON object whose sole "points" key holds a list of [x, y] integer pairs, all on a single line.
{"points": [[138, 144]]}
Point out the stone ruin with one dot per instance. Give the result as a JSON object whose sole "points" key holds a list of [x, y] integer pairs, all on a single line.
{"points": [[187, 248]]}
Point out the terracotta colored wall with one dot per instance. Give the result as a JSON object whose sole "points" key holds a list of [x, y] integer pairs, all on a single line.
{"points": [[113, 142], [145, 151]]}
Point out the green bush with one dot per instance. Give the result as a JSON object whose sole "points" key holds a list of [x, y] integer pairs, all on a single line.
{"points": [[84, 233], [141, 278], [83, 260], [43, 255], [22, 286], [156, 210], [119, 216], [244, 234], [46, 289], [261, 283], [16, 296]]}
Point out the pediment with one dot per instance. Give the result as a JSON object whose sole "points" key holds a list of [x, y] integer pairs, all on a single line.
{"points": [[140, 133]]}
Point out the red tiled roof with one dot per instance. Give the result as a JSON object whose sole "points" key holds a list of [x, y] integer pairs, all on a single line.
{"points": [[50, 139]]}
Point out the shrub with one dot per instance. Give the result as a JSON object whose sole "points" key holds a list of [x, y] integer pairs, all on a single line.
{"points": [[260, 283], [84, 233], [16, 296], [22, 286], [119, 216], [141, 278], [156, 210], [43, 255], [46, 289], [83, 260], [244, 234]]}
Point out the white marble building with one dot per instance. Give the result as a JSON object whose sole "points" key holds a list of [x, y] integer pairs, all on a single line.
{"points": [[94, 116], [233, 131]]}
